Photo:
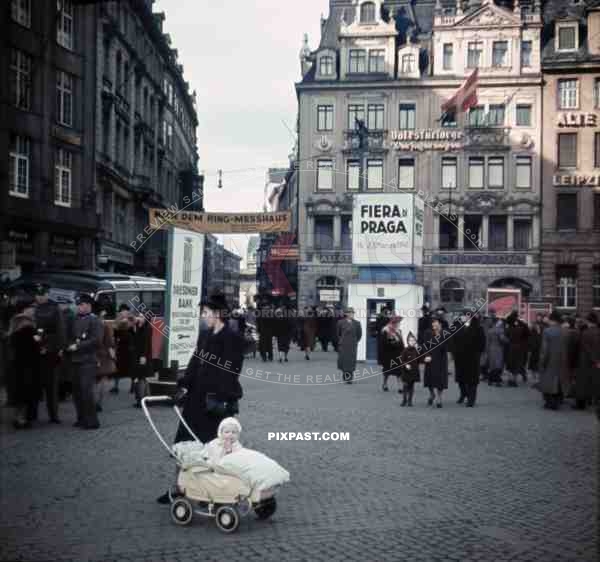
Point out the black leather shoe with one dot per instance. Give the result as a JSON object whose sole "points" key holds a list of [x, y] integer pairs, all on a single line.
{"points": [[460, 400]]}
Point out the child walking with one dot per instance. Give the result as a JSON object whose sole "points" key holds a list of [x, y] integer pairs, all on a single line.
{"points": [[410, 370]]}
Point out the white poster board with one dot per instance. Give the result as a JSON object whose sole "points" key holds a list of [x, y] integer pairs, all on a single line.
{"points": [[383, 230], [184, 291]]}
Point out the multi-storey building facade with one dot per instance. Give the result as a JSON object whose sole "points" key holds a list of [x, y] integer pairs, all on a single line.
{"points": [[571, 168], [392, 65], [47, 199], [221, 271], [146, 139]]}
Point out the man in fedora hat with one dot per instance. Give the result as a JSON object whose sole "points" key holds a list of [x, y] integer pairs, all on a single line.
{"points": [[85, 335], [349, 333]]}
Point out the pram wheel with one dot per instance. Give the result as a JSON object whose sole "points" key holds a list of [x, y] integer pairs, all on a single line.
{"points": [[265, 509], [181, 511], [227, 519]]}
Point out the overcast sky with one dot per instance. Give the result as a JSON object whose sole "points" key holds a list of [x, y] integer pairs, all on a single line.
{"points": [[242, 60]]}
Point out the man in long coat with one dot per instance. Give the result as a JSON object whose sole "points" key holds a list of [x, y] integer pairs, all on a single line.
{"points": [[587, 381], [349, 333], [467, 345], [517, 333], [551, 362]]}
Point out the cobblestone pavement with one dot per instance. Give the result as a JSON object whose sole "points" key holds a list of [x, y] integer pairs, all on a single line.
{"points": [[503, 481]]}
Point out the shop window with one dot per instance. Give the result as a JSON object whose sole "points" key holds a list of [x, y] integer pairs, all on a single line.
{"points": [[497, 233], [566, 286], [448, 233], [452, 292], [472, 233]]}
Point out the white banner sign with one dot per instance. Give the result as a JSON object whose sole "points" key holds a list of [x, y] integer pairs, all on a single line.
{"points": [[386, 227], [184, 291]]}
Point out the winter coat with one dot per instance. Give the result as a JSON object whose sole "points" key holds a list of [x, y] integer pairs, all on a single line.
{"points": [[106, 364], [49, 318], [517, 333], [587, 380], [25, 353], [124, 347], [309, 330], [535, 345], [436, 370], [423, 327], [467, 345], [570, 358], [409, 358], [213, 369], [283, 331], [495, 343], [142, 347], [265, 324], [88, 330], [349, 334], [551, 360], [392, 347]]}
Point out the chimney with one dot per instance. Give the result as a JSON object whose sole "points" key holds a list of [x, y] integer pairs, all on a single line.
{"points": [[593, 31]]}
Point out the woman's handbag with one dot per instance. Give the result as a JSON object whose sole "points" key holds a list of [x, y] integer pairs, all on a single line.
{"points": [[220, 408]]}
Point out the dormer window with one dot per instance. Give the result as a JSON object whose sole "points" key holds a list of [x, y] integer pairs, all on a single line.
{"points": [[566, 37], [326, 66], [367, 12], [408, 63]]}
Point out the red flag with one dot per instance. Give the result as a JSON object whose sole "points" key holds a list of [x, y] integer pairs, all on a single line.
{"points": [[465, 97]]}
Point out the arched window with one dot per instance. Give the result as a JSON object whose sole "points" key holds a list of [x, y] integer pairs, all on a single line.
{"points": [[367, 12], [452, 292]]}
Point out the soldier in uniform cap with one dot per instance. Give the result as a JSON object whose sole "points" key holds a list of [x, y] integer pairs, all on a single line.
{"points": [[85, 337], [49, 322]]}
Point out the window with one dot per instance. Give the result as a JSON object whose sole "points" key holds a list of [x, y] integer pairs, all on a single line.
{"points": [[496, 115], [474, 51], [472, 233], [449, 168], [353, 175], [523, 115], [567, 150], [324, 175], [326, 66], [408, 115], [375, 117], [449, 119], [63, 177], [375, 174], [377, 60], [596, 287], [566, 286], [477, 116], [357, 61], [452, 291], [448, 233], [355, 112], [325, 118], [597, 92], [522, 234], [408, 63], [406, 173], [523, 172], [596, 211], [448, 56], [64, 98], [566, 211], [567, 38], [568, 94], [324, 233], [20, 78], [526, 50], [20, 11], [18, 166], [347, 233], [367, 12], [476, 165], [496, 172], [500, 53], [64, 24], [498, 233]]}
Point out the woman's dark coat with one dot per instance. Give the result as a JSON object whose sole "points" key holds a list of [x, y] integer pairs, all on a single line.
{"points": [[587, 381], [283, 330], [391, 351], [142, 345], [410, 357], [517, 333], [219, 376], [124, 349], [25, 354], [535, 346], [467, 345], [436, 371]]}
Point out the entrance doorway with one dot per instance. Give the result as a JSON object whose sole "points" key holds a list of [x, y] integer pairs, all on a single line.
{"points": [[374, 307]]}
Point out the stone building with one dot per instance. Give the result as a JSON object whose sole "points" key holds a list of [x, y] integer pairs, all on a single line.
{"points": [[47, 200], [393, 64], [221, 271], [146, 134], [571, 168]]}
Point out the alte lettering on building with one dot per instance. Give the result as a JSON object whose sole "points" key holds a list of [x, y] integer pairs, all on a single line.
{"points": [[572, 119]]}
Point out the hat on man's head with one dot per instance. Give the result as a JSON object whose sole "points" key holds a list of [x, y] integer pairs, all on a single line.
{"points": [[41, 289], [217, 302], [348, 310], [84, 298], [592, 317]]}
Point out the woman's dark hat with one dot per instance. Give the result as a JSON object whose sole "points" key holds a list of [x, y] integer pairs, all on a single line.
{"points": [[216, 302], [85, 299]]}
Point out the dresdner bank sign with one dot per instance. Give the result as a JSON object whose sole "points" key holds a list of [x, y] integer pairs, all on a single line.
{"points": [[387, 229]]}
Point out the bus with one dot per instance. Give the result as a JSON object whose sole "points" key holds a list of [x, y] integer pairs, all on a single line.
{"points": [[107, 289]]}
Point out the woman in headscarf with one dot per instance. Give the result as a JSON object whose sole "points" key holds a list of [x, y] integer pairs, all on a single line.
{"points": [[391, 346]]}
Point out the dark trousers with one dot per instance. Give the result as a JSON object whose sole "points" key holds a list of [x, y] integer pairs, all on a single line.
{"points": [[463, 390], [84, 379], [48, 379], [348, 377], [471, 393], [265, 347]]}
